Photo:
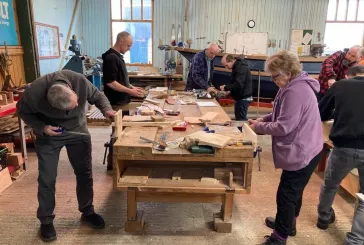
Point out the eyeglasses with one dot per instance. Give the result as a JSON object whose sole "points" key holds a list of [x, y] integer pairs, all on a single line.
{"points": [[275, 76]]}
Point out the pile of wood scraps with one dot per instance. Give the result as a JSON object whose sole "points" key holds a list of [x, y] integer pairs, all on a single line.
{"points": [[95, 117], [9, 124], [6, 98], [149, 109]]}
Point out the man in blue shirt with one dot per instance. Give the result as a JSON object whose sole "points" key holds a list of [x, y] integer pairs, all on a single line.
{"points": [[202, 68]]}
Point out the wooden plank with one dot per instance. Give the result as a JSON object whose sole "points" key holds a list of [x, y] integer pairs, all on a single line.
{"points": [[5, 179], [180, 197], [193, 120], [118, 123], [135, 176], [137, 118], [211, 139], [208, 117]]}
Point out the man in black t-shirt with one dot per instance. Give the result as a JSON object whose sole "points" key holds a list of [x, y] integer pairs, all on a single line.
{"points": [[117, 87]]}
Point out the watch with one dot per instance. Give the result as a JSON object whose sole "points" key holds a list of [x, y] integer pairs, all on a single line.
{"points": [[251, 23]]}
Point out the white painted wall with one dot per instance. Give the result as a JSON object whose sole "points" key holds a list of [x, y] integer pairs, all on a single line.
{"points": [[57, 13]]}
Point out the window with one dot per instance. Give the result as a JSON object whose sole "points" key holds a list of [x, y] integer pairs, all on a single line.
{"points": [[344, 25], [135, 17]]}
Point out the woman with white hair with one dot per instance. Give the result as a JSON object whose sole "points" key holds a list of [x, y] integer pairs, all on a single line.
{"points": [[297, 139]]}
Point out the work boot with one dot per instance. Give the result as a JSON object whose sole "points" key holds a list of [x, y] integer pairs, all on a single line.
{"points": [[271, 223], [95, 220], [47, 232], [273, 240], [324, 224]]}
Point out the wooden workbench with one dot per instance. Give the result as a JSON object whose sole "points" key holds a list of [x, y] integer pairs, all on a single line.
{"points": [[154, 78], [175, 175]]}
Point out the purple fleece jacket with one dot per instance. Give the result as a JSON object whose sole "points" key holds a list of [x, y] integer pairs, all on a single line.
{"points": [[295, 124]]}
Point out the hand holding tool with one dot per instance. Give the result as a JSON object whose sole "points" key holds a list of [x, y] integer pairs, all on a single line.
{"points": [[62, 130]]}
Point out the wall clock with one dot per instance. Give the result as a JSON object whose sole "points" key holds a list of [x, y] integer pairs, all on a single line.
{"points": [[251, 23]]}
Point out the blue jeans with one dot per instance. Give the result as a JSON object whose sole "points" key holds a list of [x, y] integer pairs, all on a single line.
{"points": [[341, 162], [241, 110]]}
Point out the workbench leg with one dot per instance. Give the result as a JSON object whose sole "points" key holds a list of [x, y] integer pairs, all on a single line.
{"points": [[222, 220], [135, 219]]}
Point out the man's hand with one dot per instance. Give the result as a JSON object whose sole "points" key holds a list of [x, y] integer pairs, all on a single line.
{"points": [[110, 114], [331, 82], [136, 92], [222, 87], [212, 90], [49, 130]]}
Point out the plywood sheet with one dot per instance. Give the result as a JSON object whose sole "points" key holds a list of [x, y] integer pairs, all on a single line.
{"points": [[208, 117]]}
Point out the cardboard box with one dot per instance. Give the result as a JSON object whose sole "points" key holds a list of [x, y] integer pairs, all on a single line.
{"points": [[15, 159], [5, 179], [10, 147]]}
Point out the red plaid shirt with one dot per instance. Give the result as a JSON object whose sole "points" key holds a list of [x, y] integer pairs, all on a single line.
{"points": [[333, 68]]}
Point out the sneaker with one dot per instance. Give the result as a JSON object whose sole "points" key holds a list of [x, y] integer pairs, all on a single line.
{"points": [[271, 223], [95, 220], [324, 224], [47, 232], [272, 240]]}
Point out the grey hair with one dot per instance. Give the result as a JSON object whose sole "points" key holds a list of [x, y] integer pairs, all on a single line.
{"points": [[355, 70], [59, 96]]}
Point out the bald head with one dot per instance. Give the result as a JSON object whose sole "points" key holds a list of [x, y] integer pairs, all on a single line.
{"points": [[123, 43], [353, 55], [212, 50]]}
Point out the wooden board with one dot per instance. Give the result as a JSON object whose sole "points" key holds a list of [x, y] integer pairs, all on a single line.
{"points": [[5, 179], [137, 118], [193, 120], [208, 117], [135, 175], [214, 140]]}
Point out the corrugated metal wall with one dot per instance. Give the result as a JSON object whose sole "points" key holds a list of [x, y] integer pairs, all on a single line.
{"points": [[56, 13], [95, 27], [311, 14], [210, 19]]}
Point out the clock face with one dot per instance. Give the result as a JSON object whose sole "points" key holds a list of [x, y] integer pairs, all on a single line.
{"points": [[251, 23]]}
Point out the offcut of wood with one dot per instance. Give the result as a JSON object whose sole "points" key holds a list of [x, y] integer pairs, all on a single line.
{"points": [[208, 117], [208, 180], [193, 120], [135, 175], [176, 176], [152, 101], [211, 139]]}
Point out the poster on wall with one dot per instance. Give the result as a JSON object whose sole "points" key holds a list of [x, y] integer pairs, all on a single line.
{"points": [[48, 41], [7, 23], [301, 41]]}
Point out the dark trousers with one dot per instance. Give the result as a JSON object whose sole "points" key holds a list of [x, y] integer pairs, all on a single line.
{"points": [[289, 196], [241, 110], [79, 155]]}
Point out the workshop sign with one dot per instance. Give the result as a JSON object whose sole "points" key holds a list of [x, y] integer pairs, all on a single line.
{"points": [[7, 23]]}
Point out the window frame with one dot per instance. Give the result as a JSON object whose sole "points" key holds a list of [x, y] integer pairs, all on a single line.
{"points": [[346, 16], [133, 21]]}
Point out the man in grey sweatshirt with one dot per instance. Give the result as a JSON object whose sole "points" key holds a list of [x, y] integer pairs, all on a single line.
{"points": [[58, 100]]}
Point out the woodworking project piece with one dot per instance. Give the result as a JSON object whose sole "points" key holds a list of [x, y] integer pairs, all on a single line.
{"points": [[214, 140], [208, 117], [193, 120]]}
